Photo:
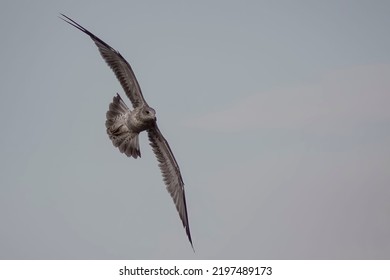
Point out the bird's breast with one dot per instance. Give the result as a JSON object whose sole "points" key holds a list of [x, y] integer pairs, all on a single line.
{"points": [[137, 123]]}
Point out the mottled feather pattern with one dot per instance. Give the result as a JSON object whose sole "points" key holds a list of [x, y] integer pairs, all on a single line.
{"points": [[118, 131], [123, 125]]}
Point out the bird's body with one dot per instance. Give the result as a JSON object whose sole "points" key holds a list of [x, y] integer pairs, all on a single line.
{"points": [[124, 125]]}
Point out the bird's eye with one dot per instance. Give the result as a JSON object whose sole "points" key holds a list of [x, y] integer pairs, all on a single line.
{"points": [[147, 112]]}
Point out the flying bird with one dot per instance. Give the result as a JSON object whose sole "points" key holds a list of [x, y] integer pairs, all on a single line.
{"points": [[124, 125]]}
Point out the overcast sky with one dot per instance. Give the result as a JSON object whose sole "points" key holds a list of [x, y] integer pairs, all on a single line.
{"points": [[277, 113]]}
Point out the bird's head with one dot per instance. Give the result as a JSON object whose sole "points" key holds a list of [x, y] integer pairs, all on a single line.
{"points": [[148, 114]]}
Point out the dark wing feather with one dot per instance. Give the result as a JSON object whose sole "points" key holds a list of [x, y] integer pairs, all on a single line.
{"points": [[171, 175], [118, 64]]}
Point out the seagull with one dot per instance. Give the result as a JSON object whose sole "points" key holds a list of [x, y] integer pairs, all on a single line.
{"points": [[124, 125]]}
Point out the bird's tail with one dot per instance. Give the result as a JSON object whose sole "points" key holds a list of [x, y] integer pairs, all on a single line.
{"points": [[126, 141]]}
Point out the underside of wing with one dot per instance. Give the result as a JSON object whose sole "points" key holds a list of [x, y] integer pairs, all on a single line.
{"points": [[118, 64], [171, 175]]}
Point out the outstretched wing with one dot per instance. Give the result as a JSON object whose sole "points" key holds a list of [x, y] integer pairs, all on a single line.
{"points": [[118, 64], [171, 174]]}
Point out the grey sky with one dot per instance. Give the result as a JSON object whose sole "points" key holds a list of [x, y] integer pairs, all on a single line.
{"points": [[277, 112]]}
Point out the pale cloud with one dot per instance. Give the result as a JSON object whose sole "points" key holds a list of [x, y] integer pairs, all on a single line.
{"points": [[343, 98]]}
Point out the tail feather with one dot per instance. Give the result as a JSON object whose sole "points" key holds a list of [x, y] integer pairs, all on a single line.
{"points": [[125, 140], [130, 146], [117, 107]]}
